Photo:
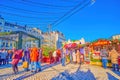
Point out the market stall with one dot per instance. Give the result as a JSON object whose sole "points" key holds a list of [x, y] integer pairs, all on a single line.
{"points": [[95, 51], [84, 55]]}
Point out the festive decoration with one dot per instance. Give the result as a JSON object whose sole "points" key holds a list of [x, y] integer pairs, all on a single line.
{"points": [[101, 42], [73, 45]]}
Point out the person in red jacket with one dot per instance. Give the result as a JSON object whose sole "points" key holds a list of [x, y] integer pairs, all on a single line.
{"points": [[34, 59], [17, 55], [119, 62]]}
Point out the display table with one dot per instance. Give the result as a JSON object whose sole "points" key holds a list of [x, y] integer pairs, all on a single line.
{"points": [[99, 62]]}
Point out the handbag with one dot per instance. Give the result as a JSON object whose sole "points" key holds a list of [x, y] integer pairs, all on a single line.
{"points": [[25, 64]]}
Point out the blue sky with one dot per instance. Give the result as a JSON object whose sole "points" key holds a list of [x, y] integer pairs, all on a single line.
{"points": [[101, 20]]}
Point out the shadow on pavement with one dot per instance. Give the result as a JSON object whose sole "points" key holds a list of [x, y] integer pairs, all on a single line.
{"points": [[9, 65], [117, 72], [78, 75], [49, 66], [111, 77], [11, 74], [43, 68]]}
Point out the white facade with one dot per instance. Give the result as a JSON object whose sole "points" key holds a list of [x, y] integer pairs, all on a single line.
{"points": [[81, 41], [116, 37], [7, 44], [9, 27], [53, 39]]}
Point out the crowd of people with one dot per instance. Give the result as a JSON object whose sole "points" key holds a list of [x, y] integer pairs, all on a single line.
{"points": [[32, 57], [71, 56], [105, 53], [111, 54], [5, 56]]}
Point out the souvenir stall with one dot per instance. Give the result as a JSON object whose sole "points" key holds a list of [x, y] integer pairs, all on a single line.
{"points": [[95, 51], [69, 46], [77, 45]]}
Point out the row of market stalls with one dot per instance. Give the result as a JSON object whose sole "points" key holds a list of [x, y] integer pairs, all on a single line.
{"points": [[91, 51]]}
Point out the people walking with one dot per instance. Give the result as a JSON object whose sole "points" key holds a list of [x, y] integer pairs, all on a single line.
{"points": [[3, 56], [0, 57], [63, 56], [104, 56], [74, 57], [26, 59], [34, 59], [82, 53], [7, 57], [15, 59], [113, 54], [55, 56], [39, 60], [71, 58], [50, 56], [58, 55], [78, 56], [68, 56], [119, 62]]}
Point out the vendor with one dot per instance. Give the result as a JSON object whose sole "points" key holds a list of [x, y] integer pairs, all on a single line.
{"points": [[104, 55]]}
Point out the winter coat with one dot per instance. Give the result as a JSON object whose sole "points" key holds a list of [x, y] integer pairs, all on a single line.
{"points": [[16, 57], [3, 55], [119, 60], [34, 55], [40, 55], [113, 56], [26, 55], [104, 53], [78, 57]]}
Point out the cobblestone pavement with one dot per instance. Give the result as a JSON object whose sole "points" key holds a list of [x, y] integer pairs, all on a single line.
{"points": [[50, 71]]}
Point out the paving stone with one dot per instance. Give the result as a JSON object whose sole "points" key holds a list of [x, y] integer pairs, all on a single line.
{"points": [[49, 73]]}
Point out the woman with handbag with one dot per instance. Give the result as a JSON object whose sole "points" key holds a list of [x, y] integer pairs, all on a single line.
{"points": [[26, 59]]}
